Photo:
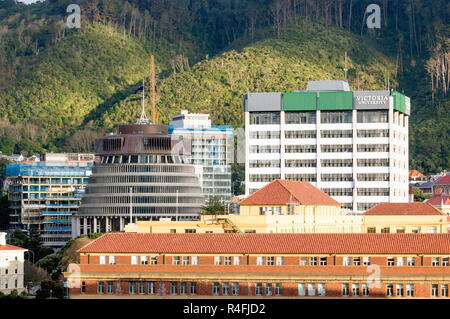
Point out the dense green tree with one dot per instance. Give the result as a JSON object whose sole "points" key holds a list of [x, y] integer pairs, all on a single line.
{"points": [[214, 206]]}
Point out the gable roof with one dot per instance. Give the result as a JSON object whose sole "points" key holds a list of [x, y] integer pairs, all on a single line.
{"points": [[263, 243], [415, 173], [439, 199], [416, 208], [443, 180], [281, 192]]}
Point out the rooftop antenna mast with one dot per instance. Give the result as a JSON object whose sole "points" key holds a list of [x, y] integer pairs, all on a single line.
{"points": [[345, 66], [152, 97], [143, 119]]}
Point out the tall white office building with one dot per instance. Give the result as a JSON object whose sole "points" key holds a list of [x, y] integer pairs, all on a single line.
{"points": [[351, 144]]}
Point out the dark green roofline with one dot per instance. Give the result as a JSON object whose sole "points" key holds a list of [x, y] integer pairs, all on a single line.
{"points": [[327, 100]]}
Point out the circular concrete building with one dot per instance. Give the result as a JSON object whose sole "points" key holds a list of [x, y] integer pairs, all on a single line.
{"points": [[142, 172]]}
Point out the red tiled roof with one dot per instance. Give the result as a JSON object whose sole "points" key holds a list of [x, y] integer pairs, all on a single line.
{"points": [[281, 192], [270, 243], [437, 200], [443, 180], [10, 247], [415, 173], [417, 208]]}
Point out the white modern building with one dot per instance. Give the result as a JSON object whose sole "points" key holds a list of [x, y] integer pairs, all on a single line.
{"points": [[351, 144], [212, 151], [11, 267]]}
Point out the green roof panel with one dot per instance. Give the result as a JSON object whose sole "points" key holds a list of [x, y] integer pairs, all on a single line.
{"points": [[299, 101], [335, 100], [399, 101]]}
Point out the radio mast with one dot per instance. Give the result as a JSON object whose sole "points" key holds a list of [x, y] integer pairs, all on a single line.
{"points": [[152, 96]]}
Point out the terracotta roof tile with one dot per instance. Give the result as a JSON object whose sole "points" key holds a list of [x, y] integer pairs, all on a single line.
{"points": [[269, 243], [281, 192], [417, 208], [11, 247], [415, 173], [443, 180], [437, 200]]}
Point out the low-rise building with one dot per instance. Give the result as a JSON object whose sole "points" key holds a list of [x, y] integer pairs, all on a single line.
{"points": [[414, 217], [124, 265], [11, 267], [279, 207]]}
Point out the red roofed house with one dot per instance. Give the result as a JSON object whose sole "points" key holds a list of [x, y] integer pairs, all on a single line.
{"points": [[415, 175], [442, 184], [413, 217], [11, 267], [441, 201], [124, 265]]}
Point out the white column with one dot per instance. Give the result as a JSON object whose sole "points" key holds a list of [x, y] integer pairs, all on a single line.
{"points": [[121, 223], [354, 159], [84, 225], [95, 225], [282, 143], [318, 150], [108, 224], [247, 152]]}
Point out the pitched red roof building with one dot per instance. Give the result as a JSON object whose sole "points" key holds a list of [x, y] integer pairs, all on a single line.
{"points": [[281, 192], [416, 208], [10, 247], [443, 180], [439, 199], [240, 265], [415, 174], [269, 243]]}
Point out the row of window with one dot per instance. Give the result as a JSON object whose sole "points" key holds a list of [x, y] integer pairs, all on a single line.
{"points": [[333, 148], [324, 134], [277, 260], [268, 289], [134, 159], [378, 162]]}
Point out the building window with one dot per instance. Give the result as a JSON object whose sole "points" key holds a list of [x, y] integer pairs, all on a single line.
{"points": [[313, 261], [323, 261], [278, 289], [355, 289], [345, 290], [102, 260], [270, 261], [259, 260], [300, 117], [385, 230], [365, 290], [132, 287], [217, 260], [195, 260], [400, 291], [366, 261], [151, 287], [134, 260], [410, 290], [372, 116], [415, 230], [216, 288], [185, 260], [264, 118], [303, 261], [83, 286], [401, 230], [311, 289], [225, 288], [101, 287], [227, 260], [141, 287], [435, 261], [400, 261], [445, 261], [432, 229], [301, 289], [259, 289], [183, 288], [322, 291], [444, 290], [346, 261], [280, 260], [391, 261], [389, 290], [173, 288], [357, 261], [144, 260], [235, 289], [335, 117], [236, 260], [411, 261], [434, 291], [110, 287], [112, 260], [193, 288], [153, 260], [175, 260], [268, 289]]}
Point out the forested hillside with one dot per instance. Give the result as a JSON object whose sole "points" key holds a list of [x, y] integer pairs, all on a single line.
{"points": [[61, 88]]}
